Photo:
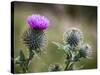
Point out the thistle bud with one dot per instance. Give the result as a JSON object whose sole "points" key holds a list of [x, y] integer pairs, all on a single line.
{"points": [[72, 37], [84, 50]]}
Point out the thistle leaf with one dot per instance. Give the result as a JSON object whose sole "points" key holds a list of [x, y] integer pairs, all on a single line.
{"points": [[59, 45], [20, 59], [78, 67], [16, 60], [22, 56], [67, 48]]}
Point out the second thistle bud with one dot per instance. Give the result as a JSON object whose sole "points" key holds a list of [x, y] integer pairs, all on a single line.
{"points": [[72, 37], [84, 49]]}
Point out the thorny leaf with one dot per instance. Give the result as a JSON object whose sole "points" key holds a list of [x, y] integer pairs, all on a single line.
{"points": [[78, 67], [59, 45]]}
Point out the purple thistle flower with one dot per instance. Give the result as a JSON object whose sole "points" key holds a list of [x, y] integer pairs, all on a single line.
{"points": [[37, 22]]}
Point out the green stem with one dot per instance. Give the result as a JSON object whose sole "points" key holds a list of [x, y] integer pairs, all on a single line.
{"points": [[24, 70], [69, 66], [31, 54], [28, 61]]}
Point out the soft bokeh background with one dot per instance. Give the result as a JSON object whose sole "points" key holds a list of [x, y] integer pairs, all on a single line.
{"points": [[61, 17]]}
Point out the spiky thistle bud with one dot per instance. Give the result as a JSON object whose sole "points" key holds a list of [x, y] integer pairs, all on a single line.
{"points": [[34, 38], [72, 37], [84, 50]]}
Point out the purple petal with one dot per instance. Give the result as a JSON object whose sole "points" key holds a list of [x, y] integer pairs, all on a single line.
{"points": [[37, 22]]}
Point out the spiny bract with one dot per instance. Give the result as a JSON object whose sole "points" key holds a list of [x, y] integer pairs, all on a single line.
{"points": [[34, 39]]}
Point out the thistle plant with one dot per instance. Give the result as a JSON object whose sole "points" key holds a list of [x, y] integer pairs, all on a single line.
{"points": [[34, 39], [73, 47]]}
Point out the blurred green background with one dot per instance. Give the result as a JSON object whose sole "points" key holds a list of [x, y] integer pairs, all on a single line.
{"points": [[61, 17]]}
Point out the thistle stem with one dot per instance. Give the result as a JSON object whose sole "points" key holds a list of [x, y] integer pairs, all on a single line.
{"points": [[24, 70], [31, 54], [27, 61], [69, 66]]}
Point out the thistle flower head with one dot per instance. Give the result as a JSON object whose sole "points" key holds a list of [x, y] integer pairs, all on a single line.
{"points": [[37, 22], [84, 50], [72, 37]]}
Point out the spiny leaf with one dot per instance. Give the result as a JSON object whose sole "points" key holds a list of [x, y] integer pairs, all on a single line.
{"points": [[67, 48], [16, 60], [20, 59], [22, 56], [59, 45], [78, 67]]}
